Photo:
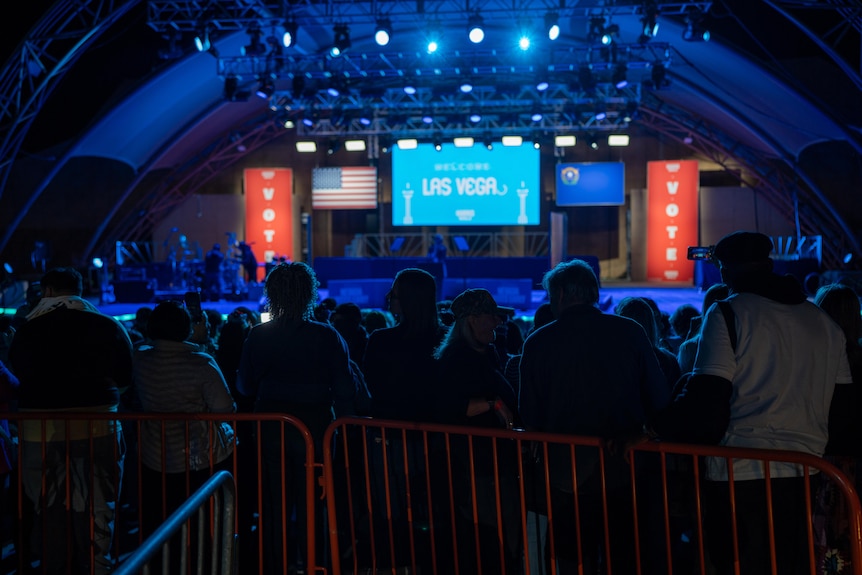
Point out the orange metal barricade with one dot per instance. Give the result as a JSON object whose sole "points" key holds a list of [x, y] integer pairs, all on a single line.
{"points": [[54, 437], [424, 498], [420, 498]]}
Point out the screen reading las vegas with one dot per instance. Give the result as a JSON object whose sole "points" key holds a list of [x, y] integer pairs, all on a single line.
{"points": [[465, 186]]}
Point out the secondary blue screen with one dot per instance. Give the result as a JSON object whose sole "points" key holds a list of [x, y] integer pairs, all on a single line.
{"points": [[465, 186], [596, 184]]}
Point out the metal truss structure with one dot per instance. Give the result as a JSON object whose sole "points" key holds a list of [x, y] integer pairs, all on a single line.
{"points": [[592, 86]]}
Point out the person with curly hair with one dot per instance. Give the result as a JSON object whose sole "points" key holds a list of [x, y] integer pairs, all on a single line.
{"points": [[295, 365]]}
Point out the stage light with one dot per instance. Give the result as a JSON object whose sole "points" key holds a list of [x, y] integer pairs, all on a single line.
{"points": [[236, 138], [433, 37], [341, 41], [289, 124], [466, 87], [542, 84], [333, 91], [407, 144], [354, 145], [98, 263], [290, 30], [475, 117], [649, 22], [524, 43], [586, 79], [366, 117], [383, 31], [202, 39], [599, 33], [593, 142], [305, 147], [596, 30], [231, 84], [631, 111], [463, 142], [438, 142], [536, 115], [537, 143], [618, 140], [409, 89], [601, 111], [608, 34], [254, 47], [512, 141], [332, 147], [848, 257], [476, 32], [489, 143], [265, 88], [427, 118], [658, 74], [552, 25], [307, 121], [566, 141], [620, 74], [694, 31]]}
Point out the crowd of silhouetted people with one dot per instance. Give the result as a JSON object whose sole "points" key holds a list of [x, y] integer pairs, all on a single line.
{"points": [[760, 364]]}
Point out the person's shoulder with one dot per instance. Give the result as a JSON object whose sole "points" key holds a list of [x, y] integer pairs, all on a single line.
{"points": [[383, 334]]}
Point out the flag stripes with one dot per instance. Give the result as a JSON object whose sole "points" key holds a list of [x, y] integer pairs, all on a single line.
{"points": [[344, 188]]}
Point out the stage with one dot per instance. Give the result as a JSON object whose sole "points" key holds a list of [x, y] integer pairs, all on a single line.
{"points": [[668, 296]]}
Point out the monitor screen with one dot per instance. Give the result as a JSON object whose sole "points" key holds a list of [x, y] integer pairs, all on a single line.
{"points": [[591, 184], [465, 186]]}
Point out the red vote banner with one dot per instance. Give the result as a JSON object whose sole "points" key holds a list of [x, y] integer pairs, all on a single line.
{"points": [[672, 189], [268, 213]]}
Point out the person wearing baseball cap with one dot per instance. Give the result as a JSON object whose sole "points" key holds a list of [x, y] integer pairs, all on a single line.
{"points": [[474, 392], [773, 374], [743, 257]]}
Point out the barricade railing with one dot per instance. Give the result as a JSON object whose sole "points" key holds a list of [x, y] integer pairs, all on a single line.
{"points": [[109, 507], [220, 491], [423, 498]]}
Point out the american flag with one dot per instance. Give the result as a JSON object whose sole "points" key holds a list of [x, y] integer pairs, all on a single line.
{"points": [[344, 188]]}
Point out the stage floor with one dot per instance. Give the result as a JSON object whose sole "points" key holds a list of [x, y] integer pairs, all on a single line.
{"points": [[668, 296]]}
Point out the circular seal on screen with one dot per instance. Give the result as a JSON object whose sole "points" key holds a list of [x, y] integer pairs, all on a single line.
{"points": [[570, 175]]}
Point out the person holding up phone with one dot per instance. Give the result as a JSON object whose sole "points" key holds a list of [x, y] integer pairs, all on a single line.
{"points": [[200, 323]]}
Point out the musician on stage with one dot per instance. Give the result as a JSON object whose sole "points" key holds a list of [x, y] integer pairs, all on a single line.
{"points": [[249, 263], [213, 273]]}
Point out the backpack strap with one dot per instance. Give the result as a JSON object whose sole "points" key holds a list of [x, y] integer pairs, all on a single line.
{"points": [[730, 320]]}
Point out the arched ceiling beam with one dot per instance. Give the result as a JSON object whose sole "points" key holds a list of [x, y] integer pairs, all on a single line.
{"points": [[38, 64]]}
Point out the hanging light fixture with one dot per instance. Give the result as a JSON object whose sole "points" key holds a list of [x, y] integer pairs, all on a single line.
{"points": [[649, 22], [552, 25], [383, 31], [619, 78], [475, 29], [290, 30], [202, 38], [341, 41], [433, 37], [254, 47], [265, 88]]}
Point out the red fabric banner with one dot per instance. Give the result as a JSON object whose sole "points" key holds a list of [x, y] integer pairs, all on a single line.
{"points": [[268, 213], [672, 219]]}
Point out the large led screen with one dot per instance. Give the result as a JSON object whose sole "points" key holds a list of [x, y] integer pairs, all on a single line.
{"points": [[465, 186], [591, 184]]}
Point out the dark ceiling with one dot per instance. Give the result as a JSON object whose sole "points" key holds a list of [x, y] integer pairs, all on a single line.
{"points": [[110, 115]]}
